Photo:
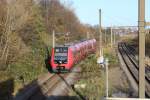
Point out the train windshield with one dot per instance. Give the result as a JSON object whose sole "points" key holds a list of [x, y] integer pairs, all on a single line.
{"points": [[61, 54]]}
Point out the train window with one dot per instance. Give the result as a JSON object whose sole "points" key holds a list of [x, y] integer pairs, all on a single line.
{"points": [[61, 49], [65, 50]]}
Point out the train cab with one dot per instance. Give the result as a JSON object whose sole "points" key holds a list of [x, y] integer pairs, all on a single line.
{"points": [[60, 55], [61, 59]]}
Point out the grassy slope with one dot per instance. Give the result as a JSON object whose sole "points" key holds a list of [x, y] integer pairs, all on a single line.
{"points": [[29, 66], [32, 62], [93, 77]]}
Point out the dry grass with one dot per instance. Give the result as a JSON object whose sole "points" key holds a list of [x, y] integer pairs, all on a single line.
{"points": [[93, 77], [46, 38]]}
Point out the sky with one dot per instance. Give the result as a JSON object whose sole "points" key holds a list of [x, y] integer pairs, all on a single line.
{"points": [[114, 12]]}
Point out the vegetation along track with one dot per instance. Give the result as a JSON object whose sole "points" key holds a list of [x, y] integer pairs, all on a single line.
{"points": [[132, 65], [45, 86]]}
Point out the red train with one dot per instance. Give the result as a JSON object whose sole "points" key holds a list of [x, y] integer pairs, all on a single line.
{"points": [[64, 57]]}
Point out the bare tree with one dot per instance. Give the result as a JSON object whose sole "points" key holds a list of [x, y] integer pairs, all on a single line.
{"points": [[16, 14]]}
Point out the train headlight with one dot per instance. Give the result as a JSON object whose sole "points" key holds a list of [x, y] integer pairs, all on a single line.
{"points": [[60, 62]]}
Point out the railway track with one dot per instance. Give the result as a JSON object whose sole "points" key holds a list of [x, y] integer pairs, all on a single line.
{"points": [[131, 63], [45, 86], [132, 52]]}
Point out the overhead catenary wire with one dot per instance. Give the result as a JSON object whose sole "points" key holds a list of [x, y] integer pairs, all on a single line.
{"points": [[116, 21]]}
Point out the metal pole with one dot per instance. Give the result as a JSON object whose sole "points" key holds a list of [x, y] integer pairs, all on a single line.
{"points": [[100, 35], [147, 23], [105, 35], [141, 26], [53, 39], [107, 90], [111, 37], [114, 38], [106, 80], [87, 35]]}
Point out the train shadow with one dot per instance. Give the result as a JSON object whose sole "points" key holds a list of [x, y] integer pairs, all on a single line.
{"points": [[35, 91], [27, 92], [7, 89]]}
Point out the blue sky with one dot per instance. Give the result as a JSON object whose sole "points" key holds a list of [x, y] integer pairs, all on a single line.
{"points": [[114, 12]]}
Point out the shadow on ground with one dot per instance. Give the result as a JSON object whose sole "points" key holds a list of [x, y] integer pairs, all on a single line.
{"points": [[34, 91], [7, 89]]}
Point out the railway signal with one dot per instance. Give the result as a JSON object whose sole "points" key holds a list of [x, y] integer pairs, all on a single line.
{"points": [[67, 37]]}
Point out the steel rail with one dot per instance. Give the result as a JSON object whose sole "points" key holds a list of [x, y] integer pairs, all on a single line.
{"points": [[124, 51], [135, 62]]}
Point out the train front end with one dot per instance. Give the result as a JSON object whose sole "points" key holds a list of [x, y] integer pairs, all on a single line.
{"points": [[61, 59]]}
